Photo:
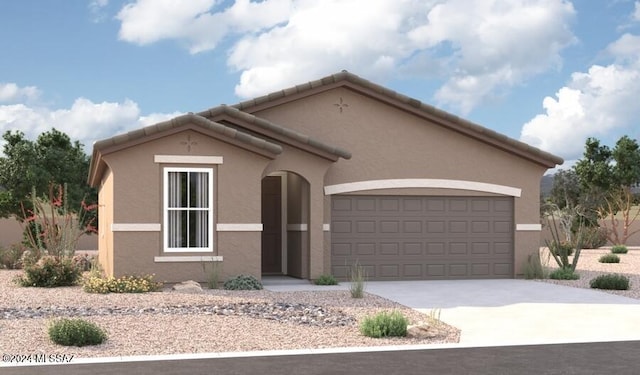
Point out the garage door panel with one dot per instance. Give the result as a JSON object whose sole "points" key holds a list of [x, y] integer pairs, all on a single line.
{"points": [[423, 237]]}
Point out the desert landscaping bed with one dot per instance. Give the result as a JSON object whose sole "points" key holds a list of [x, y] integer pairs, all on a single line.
{"points": [[169, 322]]}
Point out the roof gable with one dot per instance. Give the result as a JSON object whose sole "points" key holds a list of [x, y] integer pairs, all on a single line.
{"points": [[411, 105], [178, 124]]}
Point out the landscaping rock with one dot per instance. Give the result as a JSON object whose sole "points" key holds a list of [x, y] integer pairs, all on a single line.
{"points": [[421, 331], [188, 286]]}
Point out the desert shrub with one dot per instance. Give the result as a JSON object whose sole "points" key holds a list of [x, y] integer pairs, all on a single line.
{"points": [[124, 284], [533, 267], [243, 282], [49, 272], [561, 248], [594, 237], [11, 257], [83, 261], [610, 281], [358, 278], [385, 324], [326, 280], [609, 258], [619, 249], [76, 332], [564, 274]]}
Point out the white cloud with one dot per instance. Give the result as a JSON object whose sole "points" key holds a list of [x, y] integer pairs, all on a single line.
{"points": [[85, 120], [482, 46], [96, 8], [636, 13], [496, 44], [10, 92], [149, 21], [599, 103]]}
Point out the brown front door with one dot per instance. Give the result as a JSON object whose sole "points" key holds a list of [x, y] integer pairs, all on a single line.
{"points": [[272, 225]]}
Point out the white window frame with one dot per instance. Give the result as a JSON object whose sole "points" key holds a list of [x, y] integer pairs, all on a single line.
{"points": [[165, 211]]}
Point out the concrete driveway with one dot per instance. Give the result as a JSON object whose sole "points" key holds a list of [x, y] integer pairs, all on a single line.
{"points": [[510, 312]]}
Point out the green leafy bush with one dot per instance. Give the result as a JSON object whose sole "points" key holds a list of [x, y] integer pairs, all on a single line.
{"points": [[609, 258], [124, 284], [594, 237], [564, 274], [561, 248], [326, 280], [610, 281], [11, 257], [619, 249], [385, 324], [243, 282], [49, 272], [76, 332]]}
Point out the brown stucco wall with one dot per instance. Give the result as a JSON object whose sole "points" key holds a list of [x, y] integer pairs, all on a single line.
{"points": [[389, 143], [137, 191]]}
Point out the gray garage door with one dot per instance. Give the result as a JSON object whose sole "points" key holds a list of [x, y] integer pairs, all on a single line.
{"points": [[422, 237]]}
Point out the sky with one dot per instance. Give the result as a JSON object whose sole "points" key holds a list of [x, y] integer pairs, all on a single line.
{"points": [[547, 72]]}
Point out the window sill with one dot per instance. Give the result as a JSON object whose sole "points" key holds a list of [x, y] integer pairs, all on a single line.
{"points": [[187, 259]]}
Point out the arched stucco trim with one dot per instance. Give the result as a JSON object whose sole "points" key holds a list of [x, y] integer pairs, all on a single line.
{"points": [[421, 183]]}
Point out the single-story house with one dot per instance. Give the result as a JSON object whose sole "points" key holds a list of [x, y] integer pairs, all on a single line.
{"points": [[313, 178]]}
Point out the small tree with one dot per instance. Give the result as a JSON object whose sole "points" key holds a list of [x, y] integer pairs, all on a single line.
{"points": [[606, 178]]}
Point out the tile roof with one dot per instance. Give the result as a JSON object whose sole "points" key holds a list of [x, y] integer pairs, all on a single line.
{"points": [[276, 129]]}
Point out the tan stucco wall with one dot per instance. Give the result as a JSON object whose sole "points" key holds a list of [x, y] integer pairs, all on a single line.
{"points": [[11, 233], [389, 143], [137, 192]]}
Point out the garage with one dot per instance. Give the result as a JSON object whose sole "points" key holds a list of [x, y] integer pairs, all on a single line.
{"points": [[422, 237]]}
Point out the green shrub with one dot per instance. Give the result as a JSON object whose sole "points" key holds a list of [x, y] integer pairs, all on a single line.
{"points": [[619, 249], [49, 272], [124, 284], [385, 324], [564, 274], [594, 237], [76, 332], [243, 282], [610, 281], [326, 280], [609, 258], [11, 257], [561, 248], [533, 268]]}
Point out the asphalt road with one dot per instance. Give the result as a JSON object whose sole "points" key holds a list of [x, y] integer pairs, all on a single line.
{"points": [[617, 358]]}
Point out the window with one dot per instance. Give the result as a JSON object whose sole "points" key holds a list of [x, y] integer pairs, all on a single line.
{"points": [[188, 209]]}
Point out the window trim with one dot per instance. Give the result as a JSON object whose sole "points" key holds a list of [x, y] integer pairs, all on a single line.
{"points": [[165, 211]]}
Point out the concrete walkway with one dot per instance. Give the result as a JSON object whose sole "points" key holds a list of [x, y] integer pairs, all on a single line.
{"points": [[508, 312]]}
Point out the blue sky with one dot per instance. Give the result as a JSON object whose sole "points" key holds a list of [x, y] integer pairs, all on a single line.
{"points": [[547, 72]]}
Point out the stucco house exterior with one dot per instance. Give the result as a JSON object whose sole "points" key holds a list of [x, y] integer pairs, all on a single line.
{"points": [[308, 180]]}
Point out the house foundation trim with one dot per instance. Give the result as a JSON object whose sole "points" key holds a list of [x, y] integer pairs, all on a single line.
{"points": [[529, 227], [421, 183], [239, 227], [186, 259], [135, 227]]}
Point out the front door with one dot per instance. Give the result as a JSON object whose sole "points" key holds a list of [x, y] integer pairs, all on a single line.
{"points": [[271, 225]]}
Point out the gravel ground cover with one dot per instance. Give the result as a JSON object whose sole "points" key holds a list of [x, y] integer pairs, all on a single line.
{"points": [[588, 268], [169, 322], [229, 321]]}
